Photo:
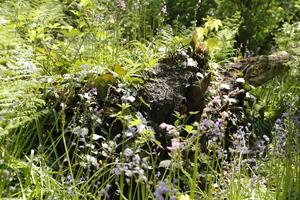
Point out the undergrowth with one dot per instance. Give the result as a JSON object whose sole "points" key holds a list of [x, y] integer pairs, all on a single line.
{"points": [[70, 127]]}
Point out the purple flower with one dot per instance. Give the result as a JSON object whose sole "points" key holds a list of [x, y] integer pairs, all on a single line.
{"points": [[136, 159], [278, 121], [222, 154], [145, 163], [117, 170], [244, 150], [217, 129], [161, 190], [128, 152], [206, 124], [215, 102]]}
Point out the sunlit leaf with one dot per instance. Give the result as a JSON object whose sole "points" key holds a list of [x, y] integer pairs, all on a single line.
{"points": [[119, 71], [213, 44], [183, 197], [85, 2], [189, 128], [151, 63], [134, 80], [71, 33], [135, 122], [165, 164], [213, 24], [104, 79], [199, 34], [193, 112]]}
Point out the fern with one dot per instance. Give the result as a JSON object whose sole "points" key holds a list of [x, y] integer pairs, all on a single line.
{"points": [[20, 102], [20, 98]]}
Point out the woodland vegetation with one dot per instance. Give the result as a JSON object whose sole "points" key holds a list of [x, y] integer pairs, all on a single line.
{"points": [[150, 99]]}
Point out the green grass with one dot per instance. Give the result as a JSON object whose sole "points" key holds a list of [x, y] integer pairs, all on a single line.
{"points": [[52, 51]]}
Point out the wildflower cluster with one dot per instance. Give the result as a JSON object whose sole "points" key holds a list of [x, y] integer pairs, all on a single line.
{"points": [[134, 167]]}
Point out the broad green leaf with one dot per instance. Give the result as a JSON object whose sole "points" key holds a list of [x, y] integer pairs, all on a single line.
{"points": [[85, 2], [104, 79], [189, 128], [183, 197], [213, 44], [119, 71], [71, 33], [165, 164]]}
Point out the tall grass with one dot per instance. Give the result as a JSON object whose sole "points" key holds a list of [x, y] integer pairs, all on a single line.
{"points": [[53, 49]]}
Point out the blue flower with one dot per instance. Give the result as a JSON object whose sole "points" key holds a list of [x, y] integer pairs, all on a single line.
{"points": [[161, 190]]}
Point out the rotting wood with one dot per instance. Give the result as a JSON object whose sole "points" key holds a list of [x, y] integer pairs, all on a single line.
{"points": [[169, 86]]}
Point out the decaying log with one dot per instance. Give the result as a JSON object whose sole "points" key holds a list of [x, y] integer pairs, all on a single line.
{"points": [[258, 70], [179, 83], [175, 84]]}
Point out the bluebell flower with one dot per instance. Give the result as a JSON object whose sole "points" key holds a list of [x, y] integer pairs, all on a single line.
{"points": [[128, 152], [161, 190]]}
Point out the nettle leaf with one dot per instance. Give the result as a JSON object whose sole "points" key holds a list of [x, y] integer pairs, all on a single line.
{"points": [[213, 44]]}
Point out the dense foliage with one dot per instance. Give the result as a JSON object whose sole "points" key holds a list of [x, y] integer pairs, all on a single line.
{"points": [[74, 125]]}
